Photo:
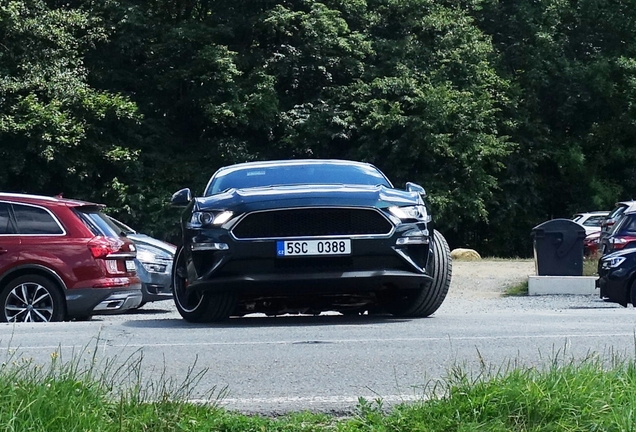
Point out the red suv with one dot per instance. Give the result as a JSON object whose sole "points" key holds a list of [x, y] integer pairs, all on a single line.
{"points": [[62, 259]]}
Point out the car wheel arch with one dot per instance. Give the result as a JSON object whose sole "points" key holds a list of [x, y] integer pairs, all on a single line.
{"points": [[429, 299], [210, 308], [32, 269]]}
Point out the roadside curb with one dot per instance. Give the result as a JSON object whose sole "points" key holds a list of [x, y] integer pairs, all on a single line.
{"points": [[550, 285]]}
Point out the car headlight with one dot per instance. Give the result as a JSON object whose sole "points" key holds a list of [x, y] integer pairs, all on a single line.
{"points": [[152, 262], [417, 212], [201, 219], [613, 262]]}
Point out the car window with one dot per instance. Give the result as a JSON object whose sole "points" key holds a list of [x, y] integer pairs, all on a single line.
{"points": [[6, 227], [594, 221], [35, 221], [97, 222], [301, 174], [616, 212], [618, 225], [629, 223]]}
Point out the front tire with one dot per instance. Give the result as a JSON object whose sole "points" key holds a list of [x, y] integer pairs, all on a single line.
{"points": [[194, 306], [31, 298], [425, 301]]}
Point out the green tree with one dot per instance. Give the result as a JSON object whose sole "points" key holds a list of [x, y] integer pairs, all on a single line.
{"points": [[407, 85], [571, 68], [430, 106], [57, 133]]}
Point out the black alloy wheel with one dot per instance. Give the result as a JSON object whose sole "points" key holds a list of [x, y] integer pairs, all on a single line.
{"points": [[425, 301], [194, 306]]}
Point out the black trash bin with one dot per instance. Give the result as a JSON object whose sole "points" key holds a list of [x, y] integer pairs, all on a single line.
{"points": [[558, 248]]}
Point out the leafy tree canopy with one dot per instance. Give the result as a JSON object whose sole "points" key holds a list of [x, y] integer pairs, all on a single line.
{"points": [[57, 133]]}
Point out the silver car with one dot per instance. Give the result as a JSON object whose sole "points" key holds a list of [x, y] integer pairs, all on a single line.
{"points": [[154, 264]]}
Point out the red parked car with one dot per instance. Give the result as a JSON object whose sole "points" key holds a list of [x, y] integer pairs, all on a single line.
{"points": [[62, 259], [591, 244]]}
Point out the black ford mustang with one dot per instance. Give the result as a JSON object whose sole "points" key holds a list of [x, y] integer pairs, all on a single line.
{"points": [[306, 236]]}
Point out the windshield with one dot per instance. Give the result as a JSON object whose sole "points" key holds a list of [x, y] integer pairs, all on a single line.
{"points": [[295, 174], [122, 227]]}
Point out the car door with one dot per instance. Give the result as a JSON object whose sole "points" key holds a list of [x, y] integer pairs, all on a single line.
{"points": [[41, 237], [9, 239]]}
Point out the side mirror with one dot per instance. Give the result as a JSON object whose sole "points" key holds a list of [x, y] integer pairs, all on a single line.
{"points": [[181, 198], [413, 187]]}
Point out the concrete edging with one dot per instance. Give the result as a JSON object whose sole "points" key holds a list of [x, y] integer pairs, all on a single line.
{"points": [[548, 285]]}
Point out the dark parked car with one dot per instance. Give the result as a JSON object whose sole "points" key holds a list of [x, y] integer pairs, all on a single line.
{"points": [[613, 217], [62, 259], [617, 277], [307, 236], [153, 262], [622, 235]]}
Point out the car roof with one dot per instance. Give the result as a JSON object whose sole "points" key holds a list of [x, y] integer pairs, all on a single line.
{"points": [[593, 213], [625, 203], [46, 200], [631, 208]]}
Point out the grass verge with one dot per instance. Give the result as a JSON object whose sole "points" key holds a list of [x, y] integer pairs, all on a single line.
{"points": [[584, 395], [518, 289], [590, 265]]}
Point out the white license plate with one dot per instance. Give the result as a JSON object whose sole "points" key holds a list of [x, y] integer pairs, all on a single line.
{"points": [[313, 247], [130, 266]]}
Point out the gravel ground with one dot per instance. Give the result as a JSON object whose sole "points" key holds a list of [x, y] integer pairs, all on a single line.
{"points": [[476, 287]]}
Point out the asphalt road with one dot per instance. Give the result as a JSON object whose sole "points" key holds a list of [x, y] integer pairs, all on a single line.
{"points": [[324, 363]]}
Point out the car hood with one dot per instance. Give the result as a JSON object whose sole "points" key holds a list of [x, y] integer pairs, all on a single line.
{"points": [[243, 200], [145, 239]]}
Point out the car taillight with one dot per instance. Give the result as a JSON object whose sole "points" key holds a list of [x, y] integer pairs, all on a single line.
{"points": [[622, 241], [116, 255], [102, 247]]}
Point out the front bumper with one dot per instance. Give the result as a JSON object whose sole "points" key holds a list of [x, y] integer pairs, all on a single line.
{"points": [[352, 282], [253, 267], [155, 286], [153, 292], [614, 286]]}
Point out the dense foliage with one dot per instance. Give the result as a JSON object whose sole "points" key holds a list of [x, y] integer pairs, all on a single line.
{"points": [[508, 112]]}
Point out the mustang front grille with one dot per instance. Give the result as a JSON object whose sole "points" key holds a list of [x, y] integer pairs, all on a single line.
{"points": [[312, 222]]}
